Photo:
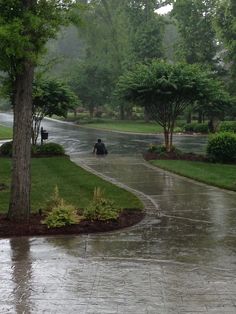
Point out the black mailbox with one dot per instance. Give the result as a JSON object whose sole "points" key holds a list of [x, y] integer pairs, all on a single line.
{"points": [[44, 135]]}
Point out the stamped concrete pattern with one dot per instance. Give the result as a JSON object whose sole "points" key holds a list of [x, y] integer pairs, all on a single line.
{"points": [[180, 259]]}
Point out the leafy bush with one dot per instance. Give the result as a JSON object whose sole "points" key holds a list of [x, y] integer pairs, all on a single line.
{"points": [[6, 149], [61, 215], [228, 126], [161, 150], [36, 150], [100, 208], [156, 148], [196, 127], [50, 149], [178, 129], [221, 147]]}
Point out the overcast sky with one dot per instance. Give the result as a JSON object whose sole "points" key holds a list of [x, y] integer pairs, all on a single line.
{"points": [[165, 9]]}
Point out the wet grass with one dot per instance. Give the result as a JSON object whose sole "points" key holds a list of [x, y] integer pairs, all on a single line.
{"points": [[5, 132], [220, 175], [126, 126], [75, 184], [139, 126]]}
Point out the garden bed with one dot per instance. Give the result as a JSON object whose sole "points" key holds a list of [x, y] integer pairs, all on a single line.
{"points": [[34, 227], [173, 155]]}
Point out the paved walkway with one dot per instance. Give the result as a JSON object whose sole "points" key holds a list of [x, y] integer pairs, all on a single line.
{"points": [[180, 259]]}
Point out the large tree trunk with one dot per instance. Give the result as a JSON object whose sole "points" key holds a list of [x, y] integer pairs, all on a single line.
{"points": [[213, 124], [19, 207]]}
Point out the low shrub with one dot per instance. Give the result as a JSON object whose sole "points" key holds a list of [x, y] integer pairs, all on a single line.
{"points": [[61, 216], [227, 126], [178, 129], [161, 150], [196, 127], [50, 149], [221, 147], [6, 149], [101, 208], [153, 148]]}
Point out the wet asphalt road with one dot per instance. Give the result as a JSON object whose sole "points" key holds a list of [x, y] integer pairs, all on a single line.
{"points": [[181, 262]]}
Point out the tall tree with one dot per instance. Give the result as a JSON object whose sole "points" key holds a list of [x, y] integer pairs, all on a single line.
{"points": [[119, 33], [195, 23], [91, 82], [226, 29], [25, 27], [146, 29]]}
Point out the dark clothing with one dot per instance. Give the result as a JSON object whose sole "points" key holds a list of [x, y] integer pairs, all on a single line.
{"points": [[100, 148]]}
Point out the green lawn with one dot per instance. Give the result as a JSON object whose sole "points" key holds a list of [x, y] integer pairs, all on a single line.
{"points": [[75, 184], [221, 175], [5, 133], [136, 126], [126, 126]]}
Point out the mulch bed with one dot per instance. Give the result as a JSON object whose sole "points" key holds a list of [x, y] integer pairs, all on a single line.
{"points": [[173, 156], [34, 227]]}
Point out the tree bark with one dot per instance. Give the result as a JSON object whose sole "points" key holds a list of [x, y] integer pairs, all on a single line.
{"points": [[19, 207]]}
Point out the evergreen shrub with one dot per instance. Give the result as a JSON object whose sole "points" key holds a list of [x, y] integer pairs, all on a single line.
{"points": [[196, 127], [101, 208], [61, 216], [50, 149], [221, 147], [228, 126]]}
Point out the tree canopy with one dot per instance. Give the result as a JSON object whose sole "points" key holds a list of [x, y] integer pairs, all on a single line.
{"points": [[225, 22], [50, 97], [165, 90], [25, 27]]}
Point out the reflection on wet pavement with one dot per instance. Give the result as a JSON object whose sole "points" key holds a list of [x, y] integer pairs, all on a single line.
{"points": [[183, 263]]}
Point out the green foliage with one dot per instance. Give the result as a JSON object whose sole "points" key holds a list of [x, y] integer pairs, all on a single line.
{"points": [[101, 208], [6, 149], [196, 127], [39, 21], [221, 147], [51, 149], [178, 129], [195, 23], [228, 126], [225, 22], [61, 216], [166, 90], [156, 148], [148, 38], [50, 97], [92, 82]]}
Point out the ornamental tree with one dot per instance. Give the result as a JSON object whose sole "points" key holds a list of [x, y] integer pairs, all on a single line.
{"points": [[50, 97], [165, 90], [25, 27]]}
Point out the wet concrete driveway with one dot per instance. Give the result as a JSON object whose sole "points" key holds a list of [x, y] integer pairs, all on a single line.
{"points": [[180, 259]]}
